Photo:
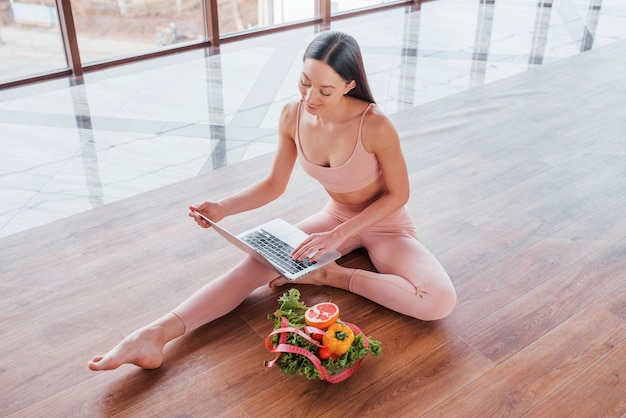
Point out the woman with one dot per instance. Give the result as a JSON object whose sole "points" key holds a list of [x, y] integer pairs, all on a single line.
{"points": [[344, 141]]}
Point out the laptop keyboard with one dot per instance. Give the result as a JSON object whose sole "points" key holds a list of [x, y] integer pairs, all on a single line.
{"points": [[275, 250]]}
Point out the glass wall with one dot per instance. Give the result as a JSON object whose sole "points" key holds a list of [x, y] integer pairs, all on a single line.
{"points": [[340, 6], [31, 42], [243, 15], [108, 29], [30, 39]]}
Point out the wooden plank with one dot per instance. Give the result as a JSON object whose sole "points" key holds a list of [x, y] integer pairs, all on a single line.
{"points": [[597, 392], [429, 381], [193, 355], [530, 377], [615, 301], [546, 307], [216, 390]]}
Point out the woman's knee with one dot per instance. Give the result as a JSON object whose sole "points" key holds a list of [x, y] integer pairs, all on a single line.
{"points": [[435, 304]]}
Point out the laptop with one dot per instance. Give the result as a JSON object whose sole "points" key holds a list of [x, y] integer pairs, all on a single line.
{"points": [[272, 243]]}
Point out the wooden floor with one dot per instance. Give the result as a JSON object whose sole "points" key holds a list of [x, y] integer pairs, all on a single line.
{"points": [[518, 187]]}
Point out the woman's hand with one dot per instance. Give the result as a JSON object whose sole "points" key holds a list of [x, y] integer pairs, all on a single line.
{"points": [[212, 210], [317, 244]]}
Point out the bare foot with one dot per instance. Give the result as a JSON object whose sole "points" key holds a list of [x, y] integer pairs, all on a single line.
{"points": [[140, 348], [143, 348], [331, 275], [277, 282]]}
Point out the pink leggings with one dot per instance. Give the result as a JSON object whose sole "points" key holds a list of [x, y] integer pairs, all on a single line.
{"points": [[410, 280]]}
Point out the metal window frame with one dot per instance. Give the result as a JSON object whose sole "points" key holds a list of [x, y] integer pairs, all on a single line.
{"points": [[213, 38]]}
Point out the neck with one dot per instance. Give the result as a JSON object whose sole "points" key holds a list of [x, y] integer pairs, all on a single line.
{"points": [[337, 114]]}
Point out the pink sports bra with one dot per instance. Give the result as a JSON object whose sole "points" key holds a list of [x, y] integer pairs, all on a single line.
{"points": [[360, 170]]}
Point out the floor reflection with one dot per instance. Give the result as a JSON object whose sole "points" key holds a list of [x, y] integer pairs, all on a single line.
{"points": [[73, 145], [88, 152]]}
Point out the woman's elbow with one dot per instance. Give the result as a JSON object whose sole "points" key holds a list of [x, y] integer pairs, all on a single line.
{"points": [[274, 189], [401, 197]]}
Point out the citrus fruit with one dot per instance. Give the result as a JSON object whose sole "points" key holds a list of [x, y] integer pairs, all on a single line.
{"points": [[322, 315]]}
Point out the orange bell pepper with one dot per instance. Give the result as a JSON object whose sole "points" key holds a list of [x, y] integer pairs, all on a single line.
{"points": [[338, 338]]}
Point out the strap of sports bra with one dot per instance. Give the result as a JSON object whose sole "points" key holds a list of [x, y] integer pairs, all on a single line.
{"points": [[298, 110], [363, 118], [297, 132]]}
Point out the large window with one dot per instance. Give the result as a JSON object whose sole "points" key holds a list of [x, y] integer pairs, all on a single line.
{"points": [[30, 39], [243, 15], [102, 32], [338, 6], [113, 28]]}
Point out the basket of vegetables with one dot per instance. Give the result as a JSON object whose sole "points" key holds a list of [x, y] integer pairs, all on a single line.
{"points": [[315, 342]]}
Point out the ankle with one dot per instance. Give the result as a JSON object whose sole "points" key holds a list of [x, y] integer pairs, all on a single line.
{"points": [[336, 276], [165, 329]]}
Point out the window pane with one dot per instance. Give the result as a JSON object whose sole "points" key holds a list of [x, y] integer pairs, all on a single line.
{"points": [[30, 39], [244, 15], [348, 5], [108, 29]]}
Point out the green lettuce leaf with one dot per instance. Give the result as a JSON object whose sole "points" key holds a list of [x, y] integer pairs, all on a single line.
{"points": [[293, 309]]}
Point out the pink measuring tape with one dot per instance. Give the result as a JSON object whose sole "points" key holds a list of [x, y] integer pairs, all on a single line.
{"points": [[283, 347]]}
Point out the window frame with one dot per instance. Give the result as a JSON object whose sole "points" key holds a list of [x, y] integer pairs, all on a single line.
{"points": [[212, 41]]}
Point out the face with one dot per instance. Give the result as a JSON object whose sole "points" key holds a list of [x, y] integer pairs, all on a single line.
{"points": [[321, 87]]}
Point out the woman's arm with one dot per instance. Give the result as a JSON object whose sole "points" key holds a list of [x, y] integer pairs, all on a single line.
{"points": [[266, 190]]}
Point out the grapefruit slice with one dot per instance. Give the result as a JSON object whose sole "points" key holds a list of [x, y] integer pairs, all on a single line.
{"points": [[322, 315]]}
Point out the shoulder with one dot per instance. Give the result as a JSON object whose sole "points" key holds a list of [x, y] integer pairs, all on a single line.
{"points": [[378, 130], [288, 115]]}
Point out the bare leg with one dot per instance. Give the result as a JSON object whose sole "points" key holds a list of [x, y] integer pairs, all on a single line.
{"points": [[144, 347]]}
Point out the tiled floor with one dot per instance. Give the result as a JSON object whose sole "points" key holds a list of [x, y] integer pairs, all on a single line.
{"points": [[67, 147]]}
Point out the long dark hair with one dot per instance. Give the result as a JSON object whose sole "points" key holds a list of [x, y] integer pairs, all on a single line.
{"points": [[342, 53]]}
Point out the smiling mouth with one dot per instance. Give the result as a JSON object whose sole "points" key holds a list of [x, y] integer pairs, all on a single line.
{"points": [[313, 107]]}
